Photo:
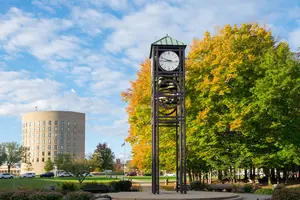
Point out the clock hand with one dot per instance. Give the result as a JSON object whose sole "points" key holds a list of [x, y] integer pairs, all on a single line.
{"points": [[166, 59]]}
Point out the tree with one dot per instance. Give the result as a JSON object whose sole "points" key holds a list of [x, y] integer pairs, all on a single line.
{"points": [[62, 160], [79, 168], [15, 153], [138, 97], [29, 167], [49, 165], [242, 94], [3, 154], [103, 157]]}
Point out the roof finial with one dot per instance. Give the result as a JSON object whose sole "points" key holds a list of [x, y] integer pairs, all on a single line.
{"points": [[167, 34]]}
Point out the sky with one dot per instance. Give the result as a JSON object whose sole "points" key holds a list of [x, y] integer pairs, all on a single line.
{"points": [[79, 55]]}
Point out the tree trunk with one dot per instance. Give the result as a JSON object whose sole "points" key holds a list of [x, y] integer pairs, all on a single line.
{"points": [[210, 176], [190, 176], [273, 173], [8, 168], [278, 175], [246, 174], [253, 174], [220, 175], [286, 177], [193, 176], [269, 178], [230, 174]]}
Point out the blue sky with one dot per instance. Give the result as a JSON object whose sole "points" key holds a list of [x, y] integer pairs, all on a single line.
{"points": [[79, 55]]}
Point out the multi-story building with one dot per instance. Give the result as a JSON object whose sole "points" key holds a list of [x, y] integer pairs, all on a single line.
{"points": [[48, 133]]}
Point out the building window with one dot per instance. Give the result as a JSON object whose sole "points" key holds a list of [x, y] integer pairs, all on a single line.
{"points": [[49, 153], [74, 147], [44, 135], [68, 129], [55, 128], [49, 141], [44, 128], [74, 123], [37, 147], [38, 154], [68, 135], [38, 123], [68, 123], [44, 123], [37, 160], [68, 141], [62, 135], [49, 123], [43, 147], [55, 135], [43, 141], [49, 147], [49, 135], [38, 129], [33, 123], [68, 147], [74, 140], [62, 128], [61, 141], [74, 129], [56, 123], [29, 123], [55, 153], [61, 147], [62, 123], [55, 141], [43, 153], [49, 128], [55, 147], [38, 141], [43, 159]]}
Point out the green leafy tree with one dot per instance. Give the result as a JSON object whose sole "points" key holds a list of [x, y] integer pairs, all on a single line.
{"points": [[15, 152], [62, 160], [103, 157], [49, 165], [79, 168]]}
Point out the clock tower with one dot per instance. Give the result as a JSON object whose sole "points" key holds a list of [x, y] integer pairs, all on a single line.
{"points": [[168, 104]]}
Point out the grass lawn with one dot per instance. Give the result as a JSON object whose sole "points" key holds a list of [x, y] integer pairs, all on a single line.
{"points": [[46, 182]]}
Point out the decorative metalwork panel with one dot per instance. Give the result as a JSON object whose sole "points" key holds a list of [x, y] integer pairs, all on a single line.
{"points": [[168, 105]]}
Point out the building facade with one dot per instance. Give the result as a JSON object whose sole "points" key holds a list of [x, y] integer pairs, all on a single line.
{"points": [[48, 133]]}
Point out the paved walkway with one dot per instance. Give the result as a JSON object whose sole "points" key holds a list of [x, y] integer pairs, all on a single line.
{"points": [[254, 196]]}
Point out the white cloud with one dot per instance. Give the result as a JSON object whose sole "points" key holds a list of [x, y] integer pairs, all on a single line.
{"points": [[92, 21], [114, 4], [40, 37], [19, 93], [294, 39], [43, 6], [119, 127], [134, 33]]}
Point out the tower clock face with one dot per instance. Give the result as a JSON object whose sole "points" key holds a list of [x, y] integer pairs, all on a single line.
{"points": [[168, 60]]}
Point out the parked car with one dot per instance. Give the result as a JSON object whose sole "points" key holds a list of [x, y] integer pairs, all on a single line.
{"points": [[65, 174], [131, 174], [88, 174], [27, 175], [170, 174], [47, 174], [6, 176]]}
